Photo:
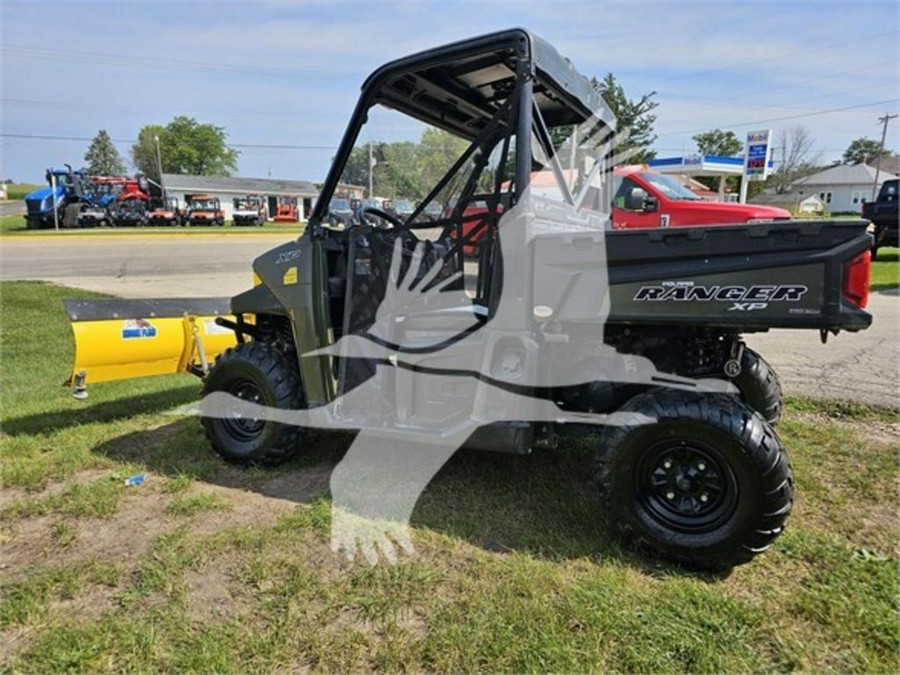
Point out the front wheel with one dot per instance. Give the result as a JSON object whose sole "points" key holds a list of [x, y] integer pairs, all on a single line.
{"points": [[259, 374], [706, 482]]}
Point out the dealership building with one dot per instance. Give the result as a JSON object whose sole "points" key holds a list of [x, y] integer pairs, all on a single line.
{"points": [[227, 189]]}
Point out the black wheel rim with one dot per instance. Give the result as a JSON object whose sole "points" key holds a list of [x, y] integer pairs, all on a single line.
{"points": [[686, 485], [238, 425]]}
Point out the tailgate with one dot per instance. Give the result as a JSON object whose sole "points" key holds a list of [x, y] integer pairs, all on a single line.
{"points": [[747, 277]]}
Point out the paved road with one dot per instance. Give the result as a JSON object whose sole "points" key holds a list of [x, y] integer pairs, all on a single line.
{"points": [[863, 367], [12, 208], [139, 266]]}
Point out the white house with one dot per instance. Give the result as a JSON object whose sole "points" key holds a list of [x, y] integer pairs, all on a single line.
{"points": [[842, 188], [809, 205], [226, 189]]}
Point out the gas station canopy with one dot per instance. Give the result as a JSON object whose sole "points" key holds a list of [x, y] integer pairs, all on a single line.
{"points": [[701, 165]]}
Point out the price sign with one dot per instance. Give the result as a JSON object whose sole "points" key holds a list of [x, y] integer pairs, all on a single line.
{"points": [[756, 155]]}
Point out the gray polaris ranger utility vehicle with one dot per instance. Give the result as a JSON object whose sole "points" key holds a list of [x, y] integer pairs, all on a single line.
{"points": [[556, 308]]}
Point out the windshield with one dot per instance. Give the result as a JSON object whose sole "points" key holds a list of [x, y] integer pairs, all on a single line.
{"points": [[670, 187], [888, 191], [403, 206], [204, 205], [339, 205]]}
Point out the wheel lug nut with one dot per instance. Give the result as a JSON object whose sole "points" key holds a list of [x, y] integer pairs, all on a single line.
{"points": [[667, 464], [670, 495], [704, 497], [701, 466]]}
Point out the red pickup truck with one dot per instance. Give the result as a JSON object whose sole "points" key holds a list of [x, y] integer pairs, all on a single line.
{"points": [[643, 198]]}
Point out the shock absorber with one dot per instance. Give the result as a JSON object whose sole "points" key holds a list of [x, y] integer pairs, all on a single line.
{"points": [[732, 366]]}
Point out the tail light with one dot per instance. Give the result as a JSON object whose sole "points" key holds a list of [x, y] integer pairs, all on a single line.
{"points": [[856, 279]]}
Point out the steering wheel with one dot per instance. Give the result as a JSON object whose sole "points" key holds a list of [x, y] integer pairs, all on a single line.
{"points": [[378, 213]]}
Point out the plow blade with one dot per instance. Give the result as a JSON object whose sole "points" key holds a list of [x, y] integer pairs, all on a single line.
{"points": [[123, 339]]}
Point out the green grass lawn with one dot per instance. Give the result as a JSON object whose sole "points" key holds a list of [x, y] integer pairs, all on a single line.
{"points": [[15, 225], [886, 270], [207, 567], [20, 190]]}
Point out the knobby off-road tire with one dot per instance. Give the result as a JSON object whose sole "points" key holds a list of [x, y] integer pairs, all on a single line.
{"points": [[256, 372], [708, 485], [759, 386]]}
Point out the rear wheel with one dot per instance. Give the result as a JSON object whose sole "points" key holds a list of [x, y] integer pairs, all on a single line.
{"points": [[706, 483], [259, 374], [759, 386]]}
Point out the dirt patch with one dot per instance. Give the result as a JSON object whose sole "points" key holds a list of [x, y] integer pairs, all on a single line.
{"points": [[879, 431], [88, 605], [301, 487], [208, 595], [121, 538], [128, 534], [25, 543], [239, 508], [11, 494], [14, 640]]}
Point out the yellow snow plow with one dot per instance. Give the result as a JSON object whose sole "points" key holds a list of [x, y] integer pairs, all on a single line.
{"points": [[122, 339]]}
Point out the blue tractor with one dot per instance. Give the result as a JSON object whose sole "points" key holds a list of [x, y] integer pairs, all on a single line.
{"points": [[63, 203], [100, 201]]}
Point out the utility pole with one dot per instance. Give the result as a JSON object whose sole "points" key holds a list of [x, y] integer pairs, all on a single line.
{"points": [[55, 202], [162, 183], [371, 166], [884, 120]]}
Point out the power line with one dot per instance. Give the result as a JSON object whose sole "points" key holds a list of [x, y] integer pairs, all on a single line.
{"points": [[787, 117], [794, 83], [778, 57], [131, 61], [121, 106], [269, 146]]}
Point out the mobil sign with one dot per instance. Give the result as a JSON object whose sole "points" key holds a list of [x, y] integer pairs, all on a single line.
{"points": [[756, 154]]}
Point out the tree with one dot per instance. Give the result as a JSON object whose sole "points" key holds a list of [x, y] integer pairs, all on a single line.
{"points": [[795, 147], [102, 157], [143, 153], [719, 143], [405, 169], [186, 147], [633, 116], [864, 151]]}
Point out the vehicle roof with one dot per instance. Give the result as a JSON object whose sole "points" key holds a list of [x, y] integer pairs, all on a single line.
{"points": [[459, 86]]}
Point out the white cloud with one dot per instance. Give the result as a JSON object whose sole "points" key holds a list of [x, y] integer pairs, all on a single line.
{"points": [[288, 72]]}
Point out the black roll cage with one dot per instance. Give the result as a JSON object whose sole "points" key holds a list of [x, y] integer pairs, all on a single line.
{"points": [[450, 87]]}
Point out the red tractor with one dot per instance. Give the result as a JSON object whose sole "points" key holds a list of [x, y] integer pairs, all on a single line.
{"points": [[131, 206]]}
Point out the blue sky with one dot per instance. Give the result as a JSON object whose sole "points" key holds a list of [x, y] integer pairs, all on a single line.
{"points": [[288, 73]]}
